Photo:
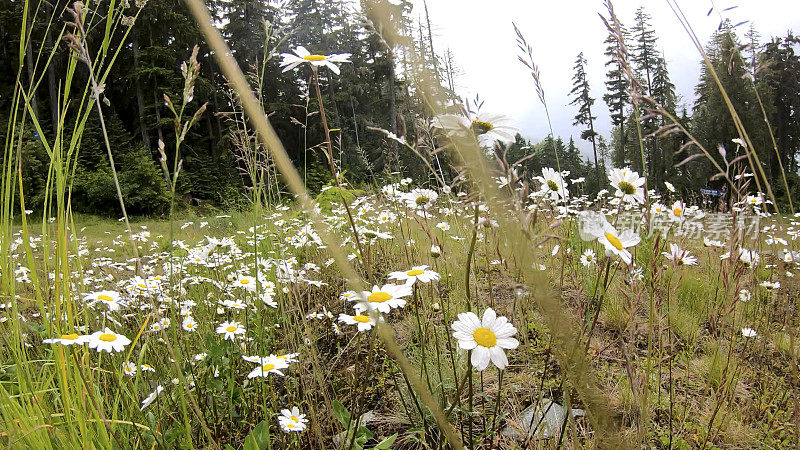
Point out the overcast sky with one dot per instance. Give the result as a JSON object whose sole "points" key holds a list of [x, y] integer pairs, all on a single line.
{"points": [[482, 40]]}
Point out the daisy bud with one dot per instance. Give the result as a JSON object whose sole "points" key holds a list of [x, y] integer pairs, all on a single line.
{"points": [[436, 251]]}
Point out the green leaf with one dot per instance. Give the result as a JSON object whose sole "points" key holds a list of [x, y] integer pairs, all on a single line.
{"points": [[250, 443], [386, 443], [261, 434], [341, 413]]}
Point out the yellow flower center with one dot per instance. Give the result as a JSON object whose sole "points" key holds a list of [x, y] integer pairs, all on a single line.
{"points": [[421, 200], [677, 212], [481, 127], [379, 297], [314, 57], [189, 325], [295, 418], [70, 337], [484, 337], [267, 367], [230, 328], [552, 185], [108, 337], [415, 272], [245, 281], [289, 425], [626, 188], [614, 241], [361, 318], [105, 298]]}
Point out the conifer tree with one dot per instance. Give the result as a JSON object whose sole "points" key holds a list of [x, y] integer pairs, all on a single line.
{"points": [[616, 97], [584, 101], [646, 60]]}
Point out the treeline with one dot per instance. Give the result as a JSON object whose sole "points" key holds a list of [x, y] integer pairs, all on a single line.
{"points": [[380, 89], [759, 78], [373, 91]]}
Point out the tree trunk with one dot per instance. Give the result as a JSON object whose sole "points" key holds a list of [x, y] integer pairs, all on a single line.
{"points": [[392, 104], [157, 106], [156, 100], [214, 99], [51, 75], [430, 41], [29, 67], [593, 139], [139, 94]]}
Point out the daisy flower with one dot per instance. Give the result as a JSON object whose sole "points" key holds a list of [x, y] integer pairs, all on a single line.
{"points": [[234, 304], [246, 282], [754, 200], [385, 298], [749, 258], [362, 321], [588, 257], [676, 212], [303, 56], [108, 298], [487, 128], [289, 357], [745, 295], [628, 184], [417, 273], [487, 338], [553, 186], [129, 368], [229, 330], [107, 341], [596, 226], [292, 420], [679, 256], [749, 332], [189, 324], [349, 296], [151, 398], [267, 365], [67, 339], [420, 198], [658, 208], [669, 186], [267, 298]]}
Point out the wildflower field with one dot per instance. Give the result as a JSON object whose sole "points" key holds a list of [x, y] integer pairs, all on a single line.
{"points": [[454, 286]]}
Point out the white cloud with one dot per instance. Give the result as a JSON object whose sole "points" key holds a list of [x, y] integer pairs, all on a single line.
{"points": [[480, 35]]}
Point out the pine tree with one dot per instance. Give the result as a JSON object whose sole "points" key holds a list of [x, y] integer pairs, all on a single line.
{"points": [[616, 97], [646, 60], [663, 92], [582, 98], [643, 50], [778, 79], [712, 123]]}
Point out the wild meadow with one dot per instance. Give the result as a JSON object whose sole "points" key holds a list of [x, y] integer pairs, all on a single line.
{"points": [[417, 275]]}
